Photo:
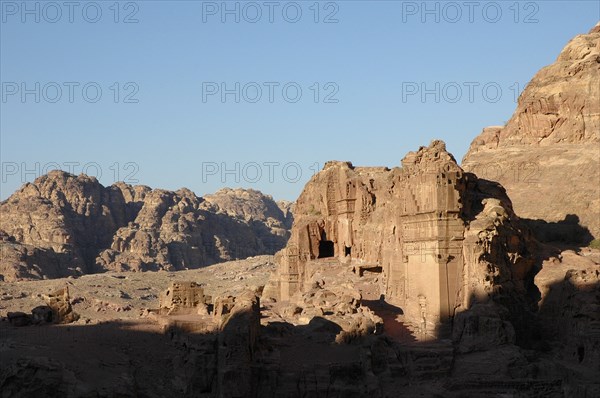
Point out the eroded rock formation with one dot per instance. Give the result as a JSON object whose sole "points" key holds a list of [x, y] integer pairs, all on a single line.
{"points": [[569, 307], [58, 309], [270, 221], [547, 156], [381, 264], [328, 343], [63, 225], [443, 239], [23, 261], [60, 304], [183, 298]]}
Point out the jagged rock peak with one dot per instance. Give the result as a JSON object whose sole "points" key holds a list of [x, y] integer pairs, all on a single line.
{"points": [[338, 163], [434, 153]]}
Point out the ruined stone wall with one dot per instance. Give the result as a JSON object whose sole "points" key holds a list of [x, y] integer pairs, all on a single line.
{"points": [[181, 296]]}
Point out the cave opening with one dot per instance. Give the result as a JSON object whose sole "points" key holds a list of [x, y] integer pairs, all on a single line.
{"points": [[325, 247], [580, 353], [347, 251]]}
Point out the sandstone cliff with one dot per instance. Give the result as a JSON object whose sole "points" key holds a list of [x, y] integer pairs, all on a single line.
{"points": [[270, 220], [547, 156], [444, 240], [63, 225]]}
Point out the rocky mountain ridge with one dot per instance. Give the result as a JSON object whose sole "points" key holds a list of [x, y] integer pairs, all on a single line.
{"points": [[62, 225]]}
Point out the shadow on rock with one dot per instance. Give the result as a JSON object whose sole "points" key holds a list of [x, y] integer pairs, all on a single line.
{"points": [[567, 232]]}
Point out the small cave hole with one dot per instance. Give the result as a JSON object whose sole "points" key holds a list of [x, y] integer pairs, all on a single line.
{"points": [[580, 353]]}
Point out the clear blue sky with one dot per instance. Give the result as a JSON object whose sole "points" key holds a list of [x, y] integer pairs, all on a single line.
{"points": [[169, 129]]}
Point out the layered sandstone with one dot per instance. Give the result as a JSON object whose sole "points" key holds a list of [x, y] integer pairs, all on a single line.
{"points": [[63, 225], [547, 156]]}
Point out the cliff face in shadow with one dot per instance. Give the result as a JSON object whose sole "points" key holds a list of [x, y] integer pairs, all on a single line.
{"points": [[564, 232], [569, 309]]}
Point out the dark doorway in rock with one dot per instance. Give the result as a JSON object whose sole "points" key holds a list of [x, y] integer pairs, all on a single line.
{"points": [[326, 249], [580, 353], [347, 251]]}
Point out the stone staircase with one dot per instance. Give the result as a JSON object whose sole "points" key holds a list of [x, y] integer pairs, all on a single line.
{"points": [[431, 361], [427, 361]]}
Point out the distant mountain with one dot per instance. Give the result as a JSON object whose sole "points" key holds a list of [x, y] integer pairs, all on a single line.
{"points": [[62, 225], [548, 154]]}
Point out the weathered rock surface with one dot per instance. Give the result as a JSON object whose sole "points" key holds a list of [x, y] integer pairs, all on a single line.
{"points": [[59, 302], [237, 346], [271, 221], [428, 249], [547, 156], [40, 377], [442, 239], [123, 295], [569, 307], [382, 268], [58, 310], [183, 298], [258, 348], [23, 261], [482, 328], [62, 225]]}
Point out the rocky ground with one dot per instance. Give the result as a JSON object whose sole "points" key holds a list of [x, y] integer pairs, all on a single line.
{"points": [[341, 341], [113, 346], [124, 296]]}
